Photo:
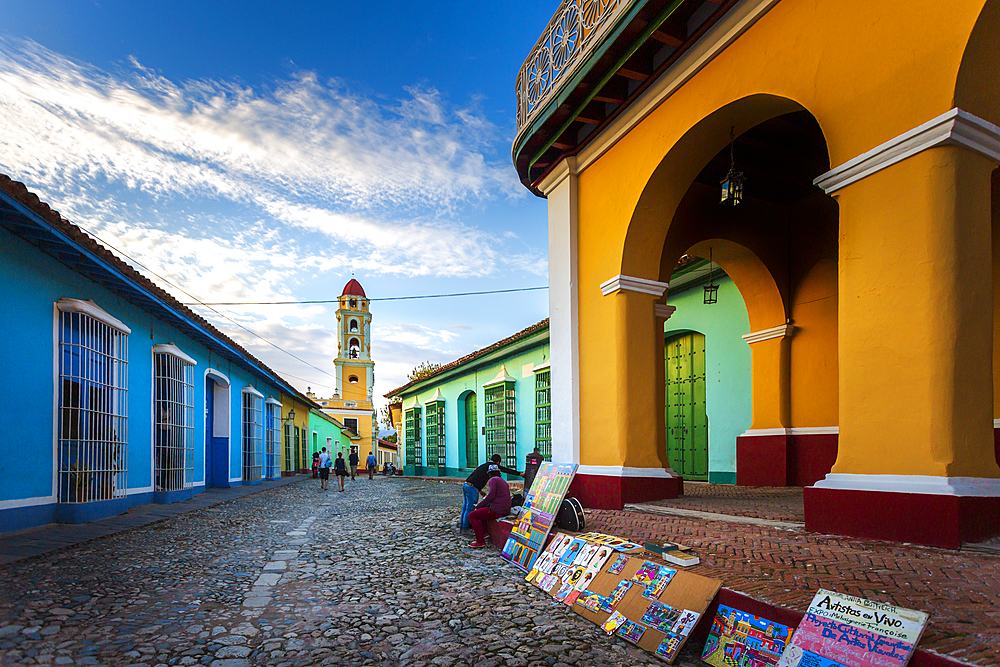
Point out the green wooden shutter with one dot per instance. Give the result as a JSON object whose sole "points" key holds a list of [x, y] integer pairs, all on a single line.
{"points": [[543, 414]]}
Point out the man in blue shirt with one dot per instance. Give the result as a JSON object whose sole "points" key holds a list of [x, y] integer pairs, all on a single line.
{"points": [[370, 463]]}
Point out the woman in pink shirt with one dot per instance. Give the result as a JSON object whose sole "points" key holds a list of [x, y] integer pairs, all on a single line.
{"points": [[496, 504]]}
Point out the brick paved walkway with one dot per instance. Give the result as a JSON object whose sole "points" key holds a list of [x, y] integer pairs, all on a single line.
{"points": [[772, 503], [960, 590]]}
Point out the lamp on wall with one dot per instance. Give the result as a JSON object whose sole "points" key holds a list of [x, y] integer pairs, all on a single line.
{"points": [[732, 184], [711, 289], [291, 416]]}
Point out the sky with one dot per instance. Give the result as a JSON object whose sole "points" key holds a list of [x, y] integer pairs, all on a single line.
{"points": [[250, 151]]}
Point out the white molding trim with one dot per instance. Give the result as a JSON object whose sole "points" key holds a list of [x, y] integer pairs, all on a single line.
{"points": [[91, 309], [543, 367], [952, 128], [252, 390], [632, 284], [737, 21], [621, 471], [28, 502], [779, 331], [217, 377], [797, 430], [562, 171], [142, 489], [996, 423], [502, 376], [664, 311], [174, 351], [925, 484], [435, 397], [273, 401]]}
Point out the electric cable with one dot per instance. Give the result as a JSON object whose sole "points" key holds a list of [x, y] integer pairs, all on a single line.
{"points": [[384, 298]]}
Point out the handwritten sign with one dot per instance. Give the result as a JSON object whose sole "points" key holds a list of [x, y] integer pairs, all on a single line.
{"points": [[853, 632]]}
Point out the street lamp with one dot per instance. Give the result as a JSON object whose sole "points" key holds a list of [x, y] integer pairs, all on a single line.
{"points": [[732, 184], [291, 415]]}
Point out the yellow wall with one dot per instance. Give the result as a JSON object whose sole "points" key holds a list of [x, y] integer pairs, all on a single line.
{"points": [[868, 71], [355, 392], [302, 421]]}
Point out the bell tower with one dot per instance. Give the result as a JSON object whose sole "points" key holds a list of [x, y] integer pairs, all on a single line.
{"points": [[351, 403]]}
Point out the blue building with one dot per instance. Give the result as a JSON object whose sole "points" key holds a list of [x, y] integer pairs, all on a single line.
{"points": [[117, 394]]}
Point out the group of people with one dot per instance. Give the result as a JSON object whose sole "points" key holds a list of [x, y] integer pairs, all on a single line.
{"points": [[322, 464], [485, 481]]}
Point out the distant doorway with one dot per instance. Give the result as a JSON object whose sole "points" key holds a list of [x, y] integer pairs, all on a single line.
{"points": [[686, 418], [471, 431], [216, 429]]}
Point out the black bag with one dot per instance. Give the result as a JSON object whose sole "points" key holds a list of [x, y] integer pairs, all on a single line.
{"points": [[516, 500], [571, 516]]}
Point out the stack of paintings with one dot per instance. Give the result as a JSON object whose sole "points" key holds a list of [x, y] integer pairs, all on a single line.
{"points": [[606, 581], [846, 631], [541, 506]]}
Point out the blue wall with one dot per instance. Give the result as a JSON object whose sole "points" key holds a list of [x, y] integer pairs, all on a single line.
{"points": [[30, 284], [727, 367]]}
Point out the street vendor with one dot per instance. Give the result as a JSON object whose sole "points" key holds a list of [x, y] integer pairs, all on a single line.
{"points": [[495, 505], [474, 484]]}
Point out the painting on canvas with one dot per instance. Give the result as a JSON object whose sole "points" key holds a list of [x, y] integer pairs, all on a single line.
{"points": [[737, 637]]}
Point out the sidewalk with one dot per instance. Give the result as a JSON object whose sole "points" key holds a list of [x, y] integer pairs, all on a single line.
{"points": [[731, 529], [54, 536]]}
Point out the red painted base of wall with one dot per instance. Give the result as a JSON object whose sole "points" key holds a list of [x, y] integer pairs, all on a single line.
{"points": [[922, 518], [784, 460], [288, 473], [613, 493]]}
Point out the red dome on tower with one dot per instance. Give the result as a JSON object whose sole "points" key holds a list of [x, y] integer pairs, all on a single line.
{"points": [[354, 288]]}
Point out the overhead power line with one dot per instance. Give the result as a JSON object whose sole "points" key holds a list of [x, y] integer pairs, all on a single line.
{"points": [[384, 298], [209, 306]]}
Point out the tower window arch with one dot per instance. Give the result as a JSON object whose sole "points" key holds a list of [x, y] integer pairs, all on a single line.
{"points": [[353, 303], [355, 349], [353, 379], [353, 326]]}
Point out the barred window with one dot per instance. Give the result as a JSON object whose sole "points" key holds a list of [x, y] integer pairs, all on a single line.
{"points": [[93, 406], [288, 448], [543, 414], [501, 429], [272, 439], [173, 418], [414, 448], [253, 434]]}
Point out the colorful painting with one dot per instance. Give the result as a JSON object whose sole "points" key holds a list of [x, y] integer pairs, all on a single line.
{"points": [[853, 632], [663, 577], [620, 562], [586, 553], [631, 631], [620, 590], [572, 551], [614, 622], [600, 557], [627, 546], [585, 579], [541, 505], [592, 601], [646, 573], [738, 638], [564, 590], [669, 647], [660, 616]]}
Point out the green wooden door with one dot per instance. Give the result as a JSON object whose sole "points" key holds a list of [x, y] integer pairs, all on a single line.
{"points": [[687, 421], [471, 432]]}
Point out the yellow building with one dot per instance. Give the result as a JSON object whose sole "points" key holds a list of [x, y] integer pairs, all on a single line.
{"points": [[351, 403], [863, 243]]}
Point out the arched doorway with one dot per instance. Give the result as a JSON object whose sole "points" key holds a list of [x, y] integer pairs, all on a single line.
{"points": [[686, 411], [217, 428], [469, 429]]}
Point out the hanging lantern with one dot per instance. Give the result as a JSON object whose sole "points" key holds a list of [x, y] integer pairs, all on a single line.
{"points": [[711, 289], [732, 184]]}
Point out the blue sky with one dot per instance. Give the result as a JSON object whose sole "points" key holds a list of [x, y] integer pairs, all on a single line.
{"points": [[251, 151]]}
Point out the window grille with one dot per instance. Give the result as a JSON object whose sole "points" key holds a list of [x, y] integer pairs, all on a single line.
{"points": [[288, 448], [253, 434], [173, 421], [299, 456], [501, 431], [543, 414], [413, 444], [351, 423], [272, 439], [435, 434], [93, 414]]}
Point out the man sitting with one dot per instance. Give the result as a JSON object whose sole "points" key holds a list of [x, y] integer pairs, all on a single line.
{"points": [[474, 484], [496, 504]]}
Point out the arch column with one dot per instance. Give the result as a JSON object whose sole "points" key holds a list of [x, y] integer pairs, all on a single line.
{"points": [[916, 460], [762, 453], [633, 401]]}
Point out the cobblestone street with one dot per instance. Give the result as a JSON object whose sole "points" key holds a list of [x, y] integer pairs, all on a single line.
{"points": [[295, 576]]}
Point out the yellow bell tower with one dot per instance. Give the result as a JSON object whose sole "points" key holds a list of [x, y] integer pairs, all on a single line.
{"points": [[352, 401]]}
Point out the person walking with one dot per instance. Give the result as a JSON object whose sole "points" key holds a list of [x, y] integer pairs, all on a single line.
{"points": [[354, 463], [323, 464], [371, 463], [340, 467], [496, 504], [474, 483]]}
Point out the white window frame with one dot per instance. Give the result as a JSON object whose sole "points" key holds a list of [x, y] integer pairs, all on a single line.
{"points": [[173, 432], [252, 442], [92, 428], [272, 438]]}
